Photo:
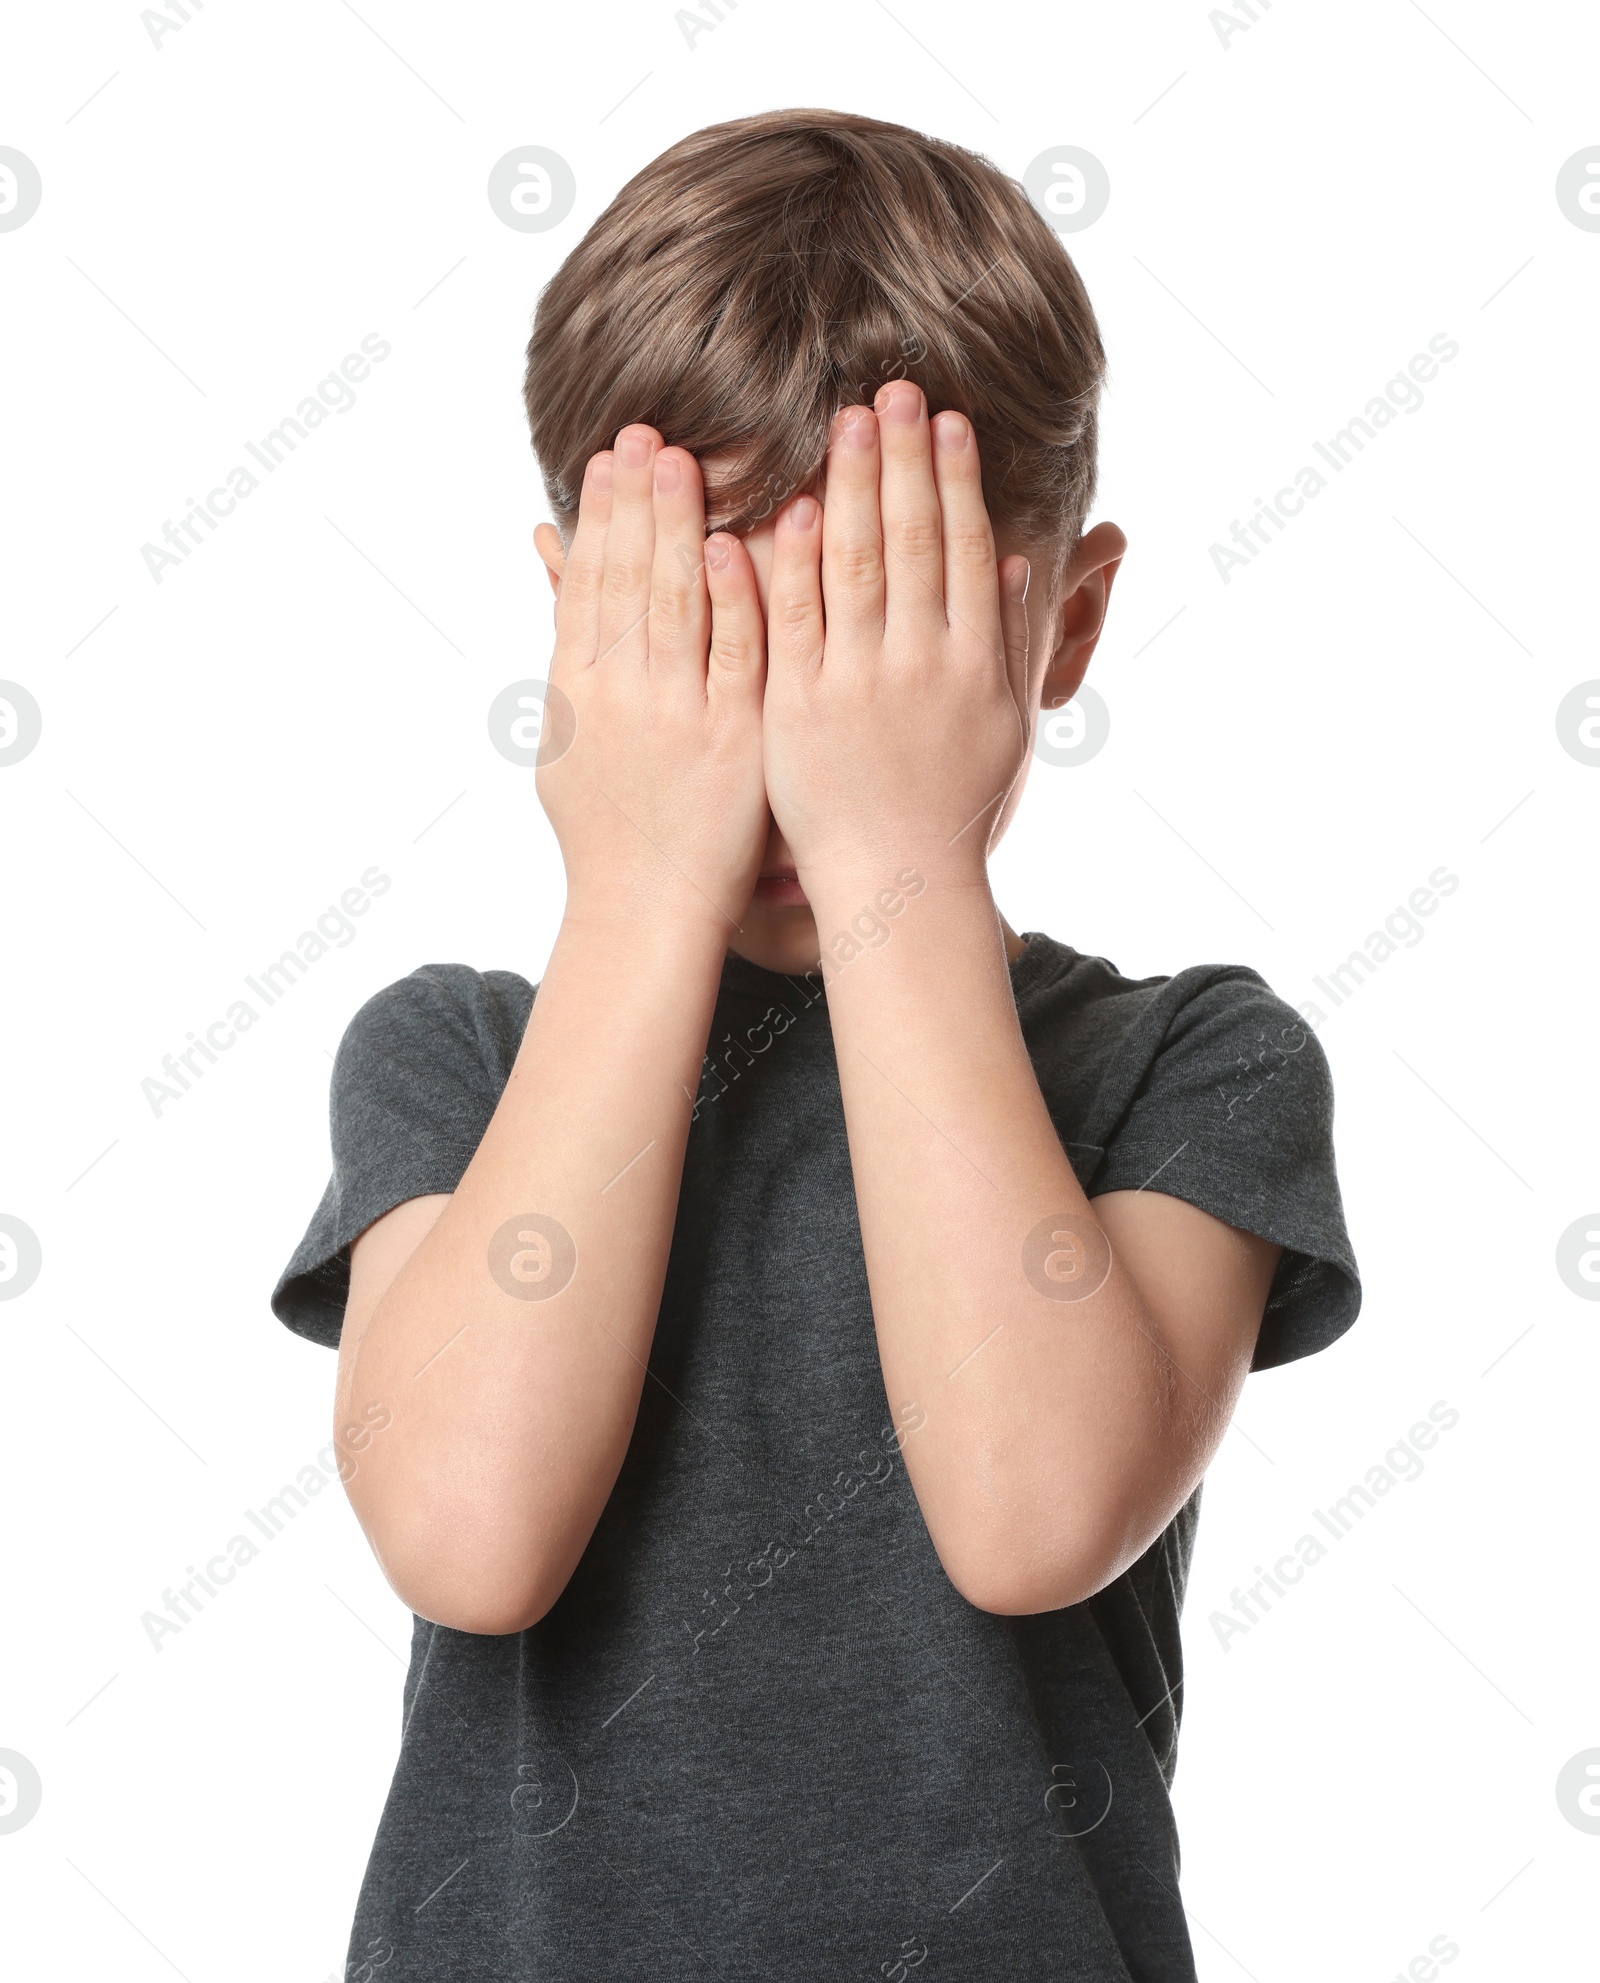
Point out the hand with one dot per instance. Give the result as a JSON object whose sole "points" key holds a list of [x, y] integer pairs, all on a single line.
{"points": [[660, 651], [897, 656]]}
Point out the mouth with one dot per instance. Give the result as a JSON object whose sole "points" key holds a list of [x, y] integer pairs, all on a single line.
{"points": [[779, 888]]}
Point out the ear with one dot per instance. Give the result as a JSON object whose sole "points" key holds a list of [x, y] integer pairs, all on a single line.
{"points": [[547, 542], [1080, 614]]}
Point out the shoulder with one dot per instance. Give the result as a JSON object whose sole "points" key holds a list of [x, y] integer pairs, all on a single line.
{"points": [[440, 997], [416, 1079], [1206, 1085], [1228, 1007], [444, 1019], [1084, 1006], [1055, 974]]}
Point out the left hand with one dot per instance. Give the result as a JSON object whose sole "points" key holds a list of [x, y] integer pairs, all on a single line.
{"points": [[893, 724]]}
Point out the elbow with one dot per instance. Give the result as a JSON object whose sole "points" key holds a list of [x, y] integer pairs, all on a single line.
{"points": [[467, 1549], [1014, 1574], [1023, 1590], [465, 1572], [490, 1614], [483, 1603]]}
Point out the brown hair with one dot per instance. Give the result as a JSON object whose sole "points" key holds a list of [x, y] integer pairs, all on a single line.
{"points": [[760, 274]]}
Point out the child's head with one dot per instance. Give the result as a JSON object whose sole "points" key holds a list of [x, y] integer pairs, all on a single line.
{"points": [[761, 274]]}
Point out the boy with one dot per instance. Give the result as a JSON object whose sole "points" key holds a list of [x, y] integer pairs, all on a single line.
{"points": [[778, 1364]]}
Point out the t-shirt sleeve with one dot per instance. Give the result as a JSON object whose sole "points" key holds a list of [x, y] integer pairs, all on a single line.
{"points": [[1234, 1114], [414, 1087]]}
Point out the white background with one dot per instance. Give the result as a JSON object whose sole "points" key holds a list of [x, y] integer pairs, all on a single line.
{"points": [[1371, 1766]]}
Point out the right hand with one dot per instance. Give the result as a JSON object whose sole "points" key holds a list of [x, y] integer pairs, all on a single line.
{"points": [[660, 649]]}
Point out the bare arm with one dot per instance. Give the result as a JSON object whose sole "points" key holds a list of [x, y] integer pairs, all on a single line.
{"points": [[509, 1350], [1064, 1429], [1077, 1365]]}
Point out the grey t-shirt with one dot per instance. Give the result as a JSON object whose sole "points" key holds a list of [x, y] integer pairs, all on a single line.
{"points": [[760, 1734]]}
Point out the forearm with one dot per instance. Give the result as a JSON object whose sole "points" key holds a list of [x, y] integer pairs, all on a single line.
{"points": [[1052, 1422], [513, 1396]]}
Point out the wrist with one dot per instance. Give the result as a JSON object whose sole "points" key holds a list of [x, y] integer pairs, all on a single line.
{"points": [[841, 887], [676, 920], [859, 911]]}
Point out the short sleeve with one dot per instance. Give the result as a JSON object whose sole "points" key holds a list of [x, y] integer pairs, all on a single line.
{"points": [[1235, 1115], [415, 1082]]}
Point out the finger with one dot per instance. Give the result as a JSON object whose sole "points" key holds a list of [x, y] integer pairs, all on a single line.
{"points": [[578, 601], [630, 544], [794, 590], [852, 529], [912, 533], [1014, 574], [680, 612], [737, 664], [971, 578]]}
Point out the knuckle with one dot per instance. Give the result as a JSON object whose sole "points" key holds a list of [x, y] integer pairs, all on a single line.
{"points": [[625, 576], [858, 562], [970, 543], [916, 537], [795, 615], [732, 647], [672, 610]]}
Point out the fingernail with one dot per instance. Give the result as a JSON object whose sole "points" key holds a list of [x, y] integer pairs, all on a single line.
{"points": [[600, 473], [951, 432], [633, 447], [669, 472], [857, 428], [1017, 581], [718, 552], [805, 512], [899, 401]]}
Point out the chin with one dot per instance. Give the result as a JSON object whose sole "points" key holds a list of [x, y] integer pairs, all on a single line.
{"points": [[782, 940]]}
